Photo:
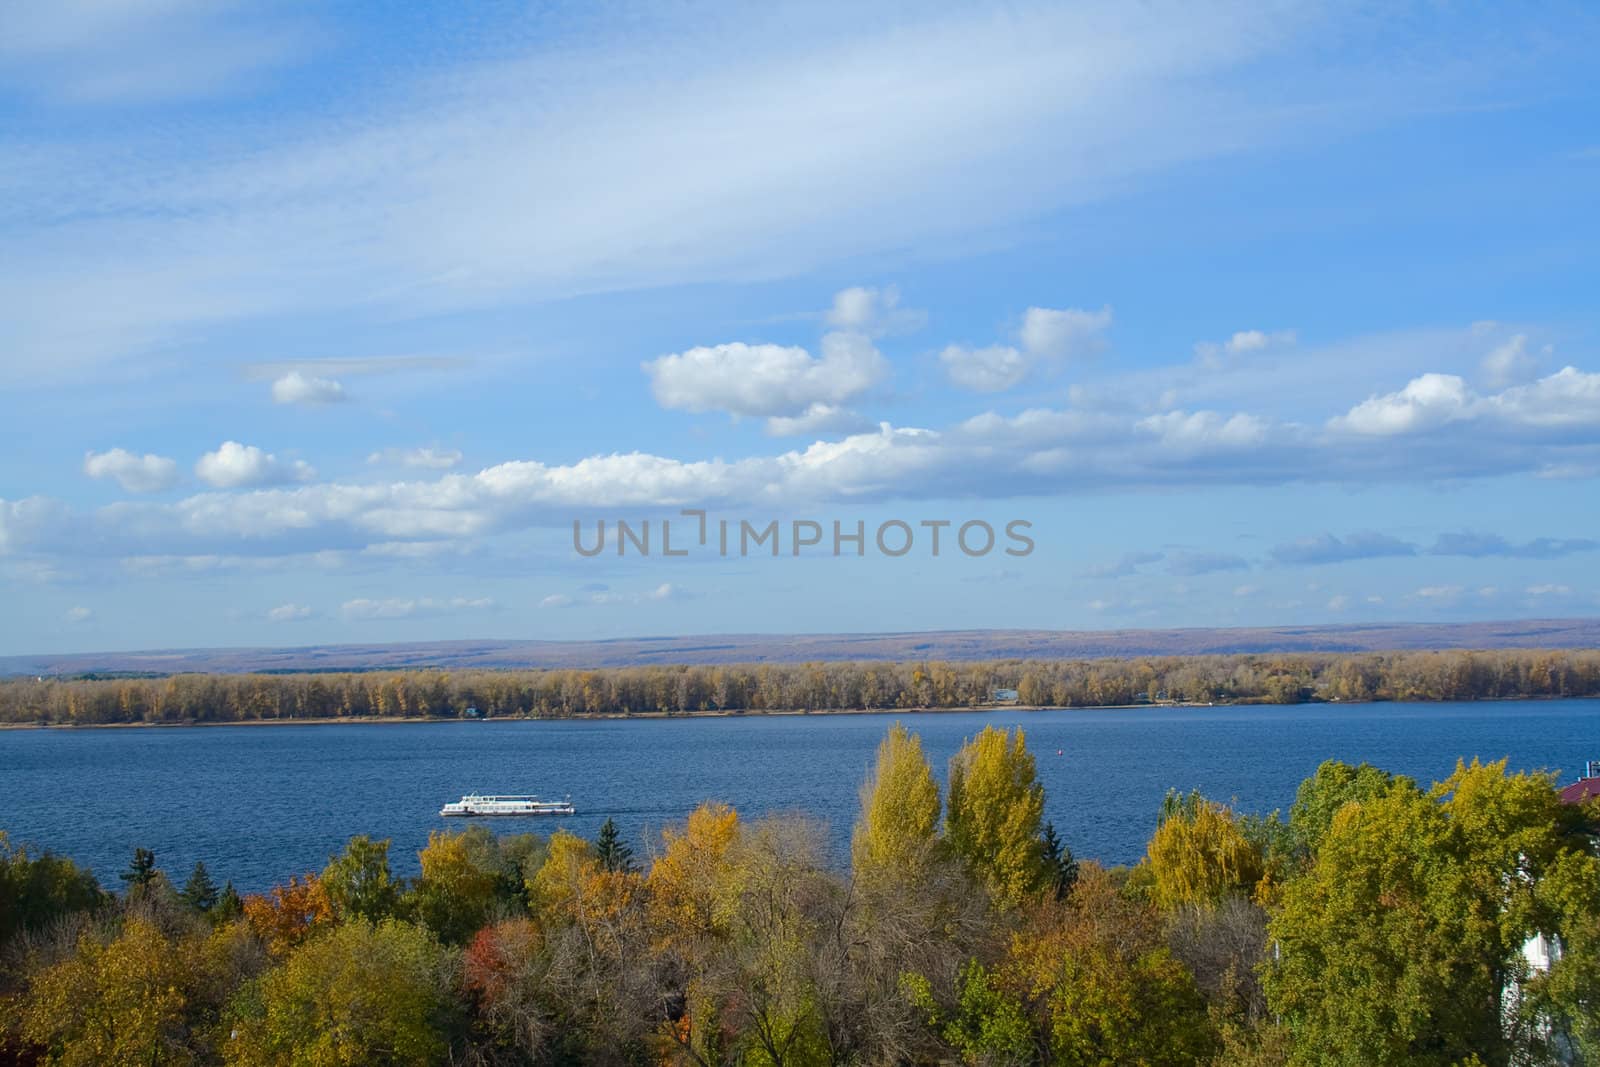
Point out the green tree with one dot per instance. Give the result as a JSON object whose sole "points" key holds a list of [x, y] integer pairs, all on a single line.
{"points": [[360, 994], [200, 892], [993, 818], [34, 890], [358, 882], [613, 853], [141, 871], [1398, 943], [230, 905], [1334, 785], [463, 885], [1060, 864]]}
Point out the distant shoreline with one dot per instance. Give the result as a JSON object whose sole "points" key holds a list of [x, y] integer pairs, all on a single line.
{"points": [[396, 720]]}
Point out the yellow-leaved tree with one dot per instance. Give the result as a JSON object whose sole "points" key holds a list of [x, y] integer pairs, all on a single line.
{"points": [[992, 821], [1199, 856], [897, 833]]}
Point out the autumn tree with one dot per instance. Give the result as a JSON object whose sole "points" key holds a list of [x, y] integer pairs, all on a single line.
{"points": [[897, 832], [465, 883], [993, 818], [288, 914], [1198, 856], [359, 994]]}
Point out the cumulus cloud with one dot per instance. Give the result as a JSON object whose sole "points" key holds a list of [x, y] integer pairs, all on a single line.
{"points": [[1564, 401], [435, 459], [1326, 548], [766, 380], [289, 613], [362, 609], [137, 474], [237, 466], [874, 312], [1048, 338], [79, 614], [1468, 543], [298, 388], [1426, 402]]}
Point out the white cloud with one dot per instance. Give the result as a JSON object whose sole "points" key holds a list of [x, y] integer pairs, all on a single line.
{"points": [[79, 614], [1549, 590], [818, 419], [437, 459], [424, 607], [767, 380], [1510, 363], [137, 474], [1048, 338], [1214, 355], [1338, 602], [1425, 402], [236, 466], [984, 370], [297, 388], [289, 613], [556, 600], [874, 312], [1566, 400], [1068, 333]]}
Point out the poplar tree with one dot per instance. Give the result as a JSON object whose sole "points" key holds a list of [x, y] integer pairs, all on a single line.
{"points": [[898, 829], [993, 818]]}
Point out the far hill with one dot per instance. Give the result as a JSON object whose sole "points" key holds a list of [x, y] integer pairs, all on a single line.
{"points": [[792, 648]]}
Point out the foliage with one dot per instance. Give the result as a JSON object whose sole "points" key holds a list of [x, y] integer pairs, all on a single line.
{"points": [[358, 881], [200, 892], [141, 870], [359, 994], [993, 819], [613, 853], [1199, 856], [35, 890], [673, 689], [898, 830], [288, 914]]}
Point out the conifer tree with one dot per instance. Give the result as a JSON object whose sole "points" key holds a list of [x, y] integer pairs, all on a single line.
{"points": [[141, 872], [613, 853], [200, 892]]}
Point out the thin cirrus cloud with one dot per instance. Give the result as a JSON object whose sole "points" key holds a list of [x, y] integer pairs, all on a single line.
{"points": [[148, 473], [520, 166], [1195, 564], [237, 466], [1047, 339], [1480, 545]]}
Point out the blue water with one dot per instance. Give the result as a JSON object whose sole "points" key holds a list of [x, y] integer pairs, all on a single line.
{"points": [[260, 802]]}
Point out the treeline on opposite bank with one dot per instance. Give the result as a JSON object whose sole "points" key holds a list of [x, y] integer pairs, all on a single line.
{"points": [[1267, 678], [1379, 923]]}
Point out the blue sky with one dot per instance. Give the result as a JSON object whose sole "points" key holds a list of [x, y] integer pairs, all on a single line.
{"points": [[325, 325]]}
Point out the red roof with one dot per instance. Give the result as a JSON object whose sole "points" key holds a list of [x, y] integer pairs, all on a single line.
{"points": [[1581, 790]]}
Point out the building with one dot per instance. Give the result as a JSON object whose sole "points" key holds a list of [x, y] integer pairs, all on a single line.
{"points": [[1585, 788]]}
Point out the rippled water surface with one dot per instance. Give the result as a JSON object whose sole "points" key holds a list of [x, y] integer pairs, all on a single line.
{"points": [[259, 802]]}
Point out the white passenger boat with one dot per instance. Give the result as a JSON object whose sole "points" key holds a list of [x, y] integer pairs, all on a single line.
{"points": [[479, 805]]}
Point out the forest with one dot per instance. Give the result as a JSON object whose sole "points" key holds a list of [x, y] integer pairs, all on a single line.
{"points": [[767, 687], [1378, 922]]}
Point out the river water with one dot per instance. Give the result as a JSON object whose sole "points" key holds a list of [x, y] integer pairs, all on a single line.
{"points": [[260, 802]]}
